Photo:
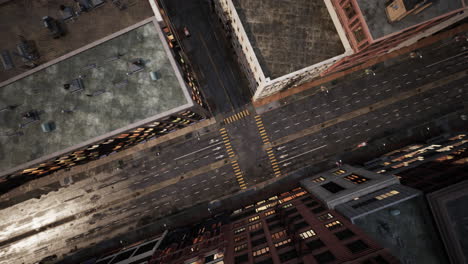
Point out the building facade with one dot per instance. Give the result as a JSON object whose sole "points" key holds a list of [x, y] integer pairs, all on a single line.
{"points": [[292, 227]]}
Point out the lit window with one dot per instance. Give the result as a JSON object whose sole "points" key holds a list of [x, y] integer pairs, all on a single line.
{"points": [[284, 242], [240, 247], [333, 225], [239, 230], [307, 234], [270, 213], [386, 195], [261, 251], [255, 226], [278, 234], [255, 218], [325, 217], [319, 179], [287, 205], [239, 238], [339, 172], [356, 179]]}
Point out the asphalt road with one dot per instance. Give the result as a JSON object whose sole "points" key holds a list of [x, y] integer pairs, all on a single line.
{"points": [[119, 196], [211, 55]]}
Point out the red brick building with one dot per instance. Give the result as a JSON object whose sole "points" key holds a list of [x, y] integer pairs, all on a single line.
{"points": [[371, 34], [293, 227]]}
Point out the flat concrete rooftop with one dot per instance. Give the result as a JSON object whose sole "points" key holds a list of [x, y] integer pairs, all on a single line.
{"points": [[410, 236], [111, 99], [376, 18], [289, 35]]}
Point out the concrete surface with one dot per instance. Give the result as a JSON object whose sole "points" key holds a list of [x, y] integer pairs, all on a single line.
{"points": [[410, 236], [289, 35], [376, 18], [82, 30], [118, 100]]}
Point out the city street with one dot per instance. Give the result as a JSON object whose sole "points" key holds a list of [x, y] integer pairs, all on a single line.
{"points": [[96, 203], [210, 54]]}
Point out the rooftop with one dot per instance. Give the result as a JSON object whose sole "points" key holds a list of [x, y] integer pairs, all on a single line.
{"points": [[410, 235], [117, 95], [289, 35], [20, 18], [376, 18]]}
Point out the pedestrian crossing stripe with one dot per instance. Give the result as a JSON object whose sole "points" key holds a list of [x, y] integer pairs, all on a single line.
{"points": [[238, 173], [263, 132], [276, 169], [237, 170], [270, 151]]}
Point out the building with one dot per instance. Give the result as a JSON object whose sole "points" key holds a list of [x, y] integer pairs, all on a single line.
{"points": [[292, 227], [430, 166], [283, 45], [337, 186], [127, 88], [398, 218], [438, 168], [449, 208], [140, 252], [375, 28]]}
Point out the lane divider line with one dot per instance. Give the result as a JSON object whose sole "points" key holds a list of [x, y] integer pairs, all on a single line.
{"points": [[269, 151]]}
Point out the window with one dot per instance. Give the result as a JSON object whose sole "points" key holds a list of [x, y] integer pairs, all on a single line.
{"points": [[283, 243], [318, 210], [324, 257], [318, 179], [259, 242], [272, 219], [255, 226], [239, 238], [241, 259], [240, 247], [279, 234], [236, 225], [349, 11], [288, 256], [255, 218], [275, 226], [364, 203], [356, 179], [315, 244], [295, 217], [239, 230], [325, 217], [300, 225], [357, 246], [266, 261], [386, 195], [287, 205], [359, 34], [307, 234], [270, 212], [345, 234], [339, 172], [332, 187], [256, 233], [312, 204], [261, 251], [333, 225]]}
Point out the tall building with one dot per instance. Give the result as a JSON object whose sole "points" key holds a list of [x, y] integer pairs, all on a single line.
{"points": [[345, 183], [292, 227], [375, 28], [283, 45], [82, 106], [438, 168], [430, 166]]}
